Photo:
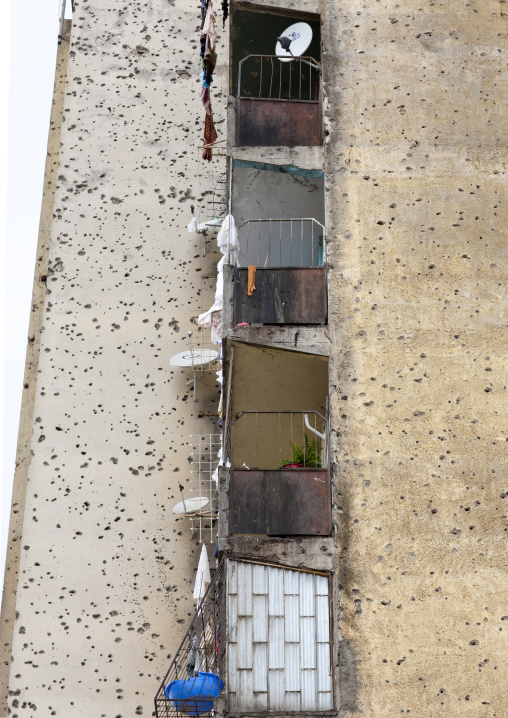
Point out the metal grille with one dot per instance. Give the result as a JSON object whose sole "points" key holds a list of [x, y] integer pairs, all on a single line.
{"points": [[282, 243], [203, 353], [270, 78], [274, 439], [203, 484], [279, 639], [201, 651]]}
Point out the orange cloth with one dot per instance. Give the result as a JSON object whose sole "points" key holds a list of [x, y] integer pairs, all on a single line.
{"points": [[251, 275]]}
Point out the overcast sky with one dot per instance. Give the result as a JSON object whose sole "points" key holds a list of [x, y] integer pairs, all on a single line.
{"points": [[27, 67]]}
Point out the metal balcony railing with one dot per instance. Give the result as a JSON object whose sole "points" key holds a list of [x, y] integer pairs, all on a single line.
{"points": [[279, 102], [282, 243], [199, 663], [268, 77], [268, 440]]}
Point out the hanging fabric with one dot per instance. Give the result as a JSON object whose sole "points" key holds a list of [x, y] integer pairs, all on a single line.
{"points": [[206, 318], [251, 276], [210, 25], [225, 12], [209, 137], [227, 239], [206, 100]]}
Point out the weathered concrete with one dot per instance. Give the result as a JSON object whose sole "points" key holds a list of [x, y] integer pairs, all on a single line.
{"points": [[107, 571], [23, 455], [415, 161], [310, 340], [417, 254]]}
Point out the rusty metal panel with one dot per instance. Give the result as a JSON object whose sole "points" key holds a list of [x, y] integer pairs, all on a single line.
{"points": [[292, 502], [299, 502], [282, 296], [248, 502], [288, 123]]}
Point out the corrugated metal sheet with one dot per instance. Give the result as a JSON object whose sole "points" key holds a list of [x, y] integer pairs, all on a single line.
{"points": [[260, 668], [260, 615], [279, 651], [276, 642], [244, 643]]}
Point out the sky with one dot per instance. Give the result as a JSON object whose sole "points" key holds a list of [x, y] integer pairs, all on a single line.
{"points": [[27, 69]]}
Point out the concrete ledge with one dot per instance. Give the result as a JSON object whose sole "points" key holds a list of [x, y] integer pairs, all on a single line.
{"points": [[309, 340], [309, 553]]}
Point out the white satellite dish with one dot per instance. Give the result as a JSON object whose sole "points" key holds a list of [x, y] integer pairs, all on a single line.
{"points": [[191, 506], [193, 358], [300, 35]]}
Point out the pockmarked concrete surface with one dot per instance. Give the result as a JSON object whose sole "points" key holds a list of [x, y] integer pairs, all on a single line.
{"points": [[106, 570], [417, 212]]}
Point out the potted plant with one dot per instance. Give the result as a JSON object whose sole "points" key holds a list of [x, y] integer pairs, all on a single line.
{"points": [[306, 456]]}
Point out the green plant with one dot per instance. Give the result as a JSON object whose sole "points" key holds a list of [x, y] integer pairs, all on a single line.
{"points": [[306, 455]]}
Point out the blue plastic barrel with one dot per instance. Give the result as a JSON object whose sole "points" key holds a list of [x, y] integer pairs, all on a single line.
{"points": [[195, 695]]}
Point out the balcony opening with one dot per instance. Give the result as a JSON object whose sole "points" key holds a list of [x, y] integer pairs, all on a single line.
{"points": [[278, 100], [280, 214], [277, 439]]}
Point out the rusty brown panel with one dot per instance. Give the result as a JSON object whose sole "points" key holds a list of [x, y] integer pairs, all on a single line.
{"points": [[278, 122], [282, 296], [299, 502], [248, 502]]}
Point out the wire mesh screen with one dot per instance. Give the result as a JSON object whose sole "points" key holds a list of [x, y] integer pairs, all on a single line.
{"points": [[203, 353], [269, 78], [196, 675], [204, 485], [281, 243], [277, 439]]}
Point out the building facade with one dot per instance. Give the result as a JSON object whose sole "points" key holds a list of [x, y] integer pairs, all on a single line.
{"points": [[342, 278]]}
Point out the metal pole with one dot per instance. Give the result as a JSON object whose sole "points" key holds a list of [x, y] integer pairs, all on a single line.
{"points": [[181, 494], [62, 16]]}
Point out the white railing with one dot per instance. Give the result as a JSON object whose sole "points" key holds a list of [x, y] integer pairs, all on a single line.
{"points": [[277, 439], [282, 243], [270, 77]]}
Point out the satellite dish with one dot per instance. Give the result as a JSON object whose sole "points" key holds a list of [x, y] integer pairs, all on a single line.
{"points": [[196, 358], [300, 35], [191, 506]]}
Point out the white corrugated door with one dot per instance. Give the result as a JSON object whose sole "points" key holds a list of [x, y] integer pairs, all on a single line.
{"points": [[279, 651]]}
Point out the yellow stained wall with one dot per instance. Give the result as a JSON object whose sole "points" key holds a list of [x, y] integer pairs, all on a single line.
{"points": [[416, 166]]}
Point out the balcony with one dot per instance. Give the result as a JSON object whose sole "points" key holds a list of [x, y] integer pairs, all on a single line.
{"points": [[279, 102], [195, 678], [289, 257], [280, 483]]}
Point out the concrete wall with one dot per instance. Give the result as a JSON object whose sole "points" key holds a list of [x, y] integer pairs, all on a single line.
{"points": [[106, 570], [417, 214], [415, 161], [23, 454]]}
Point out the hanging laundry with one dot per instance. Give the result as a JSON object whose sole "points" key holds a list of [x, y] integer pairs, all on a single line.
{"points": [[251, 276], [210, 25], [225, 12], [206, 318], [206, 100], [216, 334], [227, 239], [208, 65], [209, 137], [204, 8]]}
